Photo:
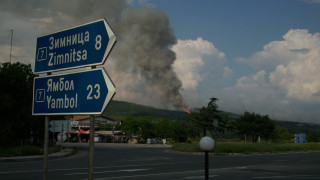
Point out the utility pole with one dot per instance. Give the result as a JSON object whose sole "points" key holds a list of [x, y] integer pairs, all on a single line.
{"points": [[91, 146], [11, 44], [46, 147]]}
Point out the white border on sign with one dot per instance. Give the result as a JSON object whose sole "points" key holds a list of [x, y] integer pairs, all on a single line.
{"points": [[111, 43], [110, 95]]}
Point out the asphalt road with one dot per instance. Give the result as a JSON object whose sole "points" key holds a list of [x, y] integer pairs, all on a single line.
{"points": [[140, 162]]}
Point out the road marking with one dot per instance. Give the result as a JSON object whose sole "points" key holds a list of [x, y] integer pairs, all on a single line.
{"points": [[147, 159], [199, 177], [101, 167], [49, 170], [151, 164], [238, 167], [144, 175], [290, 177], [169, 173], [133, 170], [29, 171], [102, 172], [124, 166]]}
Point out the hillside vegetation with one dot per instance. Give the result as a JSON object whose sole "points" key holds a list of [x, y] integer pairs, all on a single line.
{"points": [[121, 110]]}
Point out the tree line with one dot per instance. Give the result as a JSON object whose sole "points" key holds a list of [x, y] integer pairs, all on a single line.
{"points": [[248, 127], [17, 125]]}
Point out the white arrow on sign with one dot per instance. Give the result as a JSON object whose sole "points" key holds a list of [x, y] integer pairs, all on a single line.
{"points": [[86, 92]]}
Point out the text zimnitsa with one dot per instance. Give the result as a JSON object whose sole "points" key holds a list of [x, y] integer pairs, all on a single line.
{"points": [[69, 57]]}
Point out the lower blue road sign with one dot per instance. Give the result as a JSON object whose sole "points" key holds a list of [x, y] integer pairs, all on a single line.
{"points": [[86, 92]]}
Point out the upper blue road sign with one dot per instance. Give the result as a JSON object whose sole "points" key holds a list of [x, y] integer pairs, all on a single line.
{"points": [[86, 92], [85, 45]]}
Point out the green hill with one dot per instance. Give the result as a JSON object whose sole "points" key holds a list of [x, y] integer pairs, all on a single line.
{"points": [[121, 110], [297, 127]]}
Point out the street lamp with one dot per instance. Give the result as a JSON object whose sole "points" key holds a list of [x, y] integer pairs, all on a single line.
{"points": [[206, 144]]}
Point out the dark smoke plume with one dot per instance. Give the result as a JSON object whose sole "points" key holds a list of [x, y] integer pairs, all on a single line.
{"points": [[141, 60], [143, 50]]}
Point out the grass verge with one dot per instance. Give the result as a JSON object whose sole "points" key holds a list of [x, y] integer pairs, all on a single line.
{"points": [[247, 148], [26, 150]]}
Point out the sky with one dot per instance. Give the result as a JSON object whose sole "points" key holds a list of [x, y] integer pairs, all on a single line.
{"points": [[260, 56]]}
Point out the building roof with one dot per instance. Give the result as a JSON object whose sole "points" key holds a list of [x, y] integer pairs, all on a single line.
{"points": [[86, 117]]}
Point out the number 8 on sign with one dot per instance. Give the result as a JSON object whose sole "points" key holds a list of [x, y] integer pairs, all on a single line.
{"points": [[98, 42]]}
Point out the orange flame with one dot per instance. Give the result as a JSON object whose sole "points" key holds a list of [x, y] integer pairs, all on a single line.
{"points": [[186, 110]]}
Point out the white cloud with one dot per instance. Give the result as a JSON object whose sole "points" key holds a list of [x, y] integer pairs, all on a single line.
{"points": [[288, 81], [293, 64], [300, 80], [250, 93], [282, 80], [25, 32], [199, 64], [227, 73], [257, 80], [295, 46]]}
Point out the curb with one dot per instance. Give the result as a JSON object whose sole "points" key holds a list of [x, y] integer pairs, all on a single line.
{"points": [[68, 152], [61, 154], [117, 145]]}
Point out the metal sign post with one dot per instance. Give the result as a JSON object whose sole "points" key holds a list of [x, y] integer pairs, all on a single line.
{"points": [[46, 147], [91, 145], [73, 93], [61, 136]]}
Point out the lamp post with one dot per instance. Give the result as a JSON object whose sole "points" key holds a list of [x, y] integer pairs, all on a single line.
{"points": [[206, 144]]}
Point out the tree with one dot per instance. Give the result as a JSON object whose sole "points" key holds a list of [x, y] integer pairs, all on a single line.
{"points": [[105, 127], [147, 128], [163, 128], [203, 120], [16, 94], [131, 127], [223, 124], [255, 126], [143, 128], [313, 136], [181, 131], [282, 134]]}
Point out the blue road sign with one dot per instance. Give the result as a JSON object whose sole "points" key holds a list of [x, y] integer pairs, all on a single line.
{"points": [[85, 45], [86, 92], [300, 138]]}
